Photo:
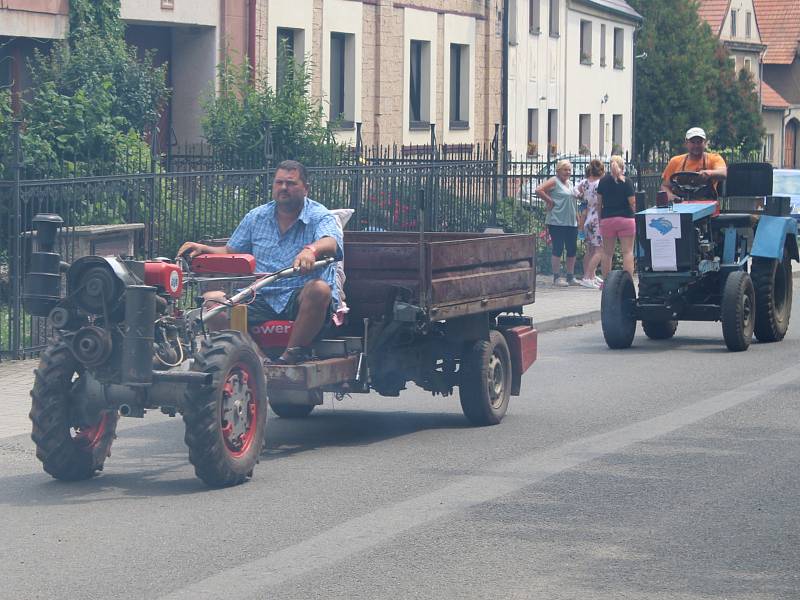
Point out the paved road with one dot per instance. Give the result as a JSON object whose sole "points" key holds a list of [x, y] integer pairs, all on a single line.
{"points": [[667, 471]]}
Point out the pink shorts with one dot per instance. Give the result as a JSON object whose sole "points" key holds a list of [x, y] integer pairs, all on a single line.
{"points": [[617, 227]]}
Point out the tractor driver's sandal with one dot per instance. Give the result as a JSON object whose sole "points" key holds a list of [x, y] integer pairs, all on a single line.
{"points": [[293, 355]]}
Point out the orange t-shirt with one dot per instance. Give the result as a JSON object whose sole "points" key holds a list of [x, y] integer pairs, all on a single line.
{"points": [[676, 164]]}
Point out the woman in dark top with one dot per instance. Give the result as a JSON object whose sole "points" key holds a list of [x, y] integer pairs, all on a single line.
{"points": [[616, 203]]}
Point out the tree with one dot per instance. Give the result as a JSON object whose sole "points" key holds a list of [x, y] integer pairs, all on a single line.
{"points": [[688, 79], [236, 117]]}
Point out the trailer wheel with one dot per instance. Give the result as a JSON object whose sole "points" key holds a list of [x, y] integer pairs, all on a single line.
{"points": [[659, 330], [290, 410], [772, 280], [226, 420], [616, 316], [68, 450], [485, 380], [738, 311]]}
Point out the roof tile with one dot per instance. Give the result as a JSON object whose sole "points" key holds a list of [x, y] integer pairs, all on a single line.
{"points": [[779, 24]]}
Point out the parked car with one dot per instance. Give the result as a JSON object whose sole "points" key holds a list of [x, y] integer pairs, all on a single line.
{"points": [[786, 182]]}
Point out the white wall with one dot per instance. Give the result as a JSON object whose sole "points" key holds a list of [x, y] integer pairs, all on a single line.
{"points": [[458, 30], [418, 25], [536, 77], [343, 17], [292, 14], [586, 86], [197, 12]]}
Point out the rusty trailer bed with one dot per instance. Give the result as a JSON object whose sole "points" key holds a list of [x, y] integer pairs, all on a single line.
{"points": [[446, 274]]}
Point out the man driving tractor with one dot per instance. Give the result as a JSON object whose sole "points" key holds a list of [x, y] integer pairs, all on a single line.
{"points": [[710, 166], [290, 229]]}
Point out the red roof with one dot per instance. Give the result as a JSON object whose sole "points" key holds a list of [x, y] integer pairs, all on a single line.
{"points": [[713, 12], [779, 24], [770, 98]]}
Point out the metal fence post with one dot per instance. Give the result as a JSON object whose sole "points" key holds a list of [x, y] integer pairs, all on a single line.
{"points": [[16, 246], [151, 224], [495, 175], [357, 181]]}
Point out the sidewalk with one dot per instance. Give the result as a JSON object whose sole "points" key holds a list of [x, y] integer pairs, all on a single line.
{"points": [[555, 308]]}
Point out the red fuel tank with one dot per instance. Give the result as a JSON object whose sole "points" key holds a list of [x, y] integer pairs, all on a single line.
{"points": [[231, 264], [272, 334], [165, 276]]}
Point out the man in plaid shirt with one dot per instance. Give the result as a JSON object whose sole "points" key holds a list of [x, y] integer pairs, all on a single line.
{"points": [[291, 229]]}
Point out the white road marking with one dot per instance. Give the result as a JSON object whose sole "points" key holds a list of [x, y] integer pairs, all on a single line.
{"points": [[362, 533]]}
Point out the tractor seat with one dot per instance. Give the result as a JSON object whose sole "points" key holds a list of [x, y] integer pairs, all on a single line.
{"points": [[736, 220]]}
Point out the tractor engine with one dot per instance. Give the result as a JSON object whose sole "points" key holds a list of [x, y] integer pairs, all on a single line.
{"points": [[119, 316]]}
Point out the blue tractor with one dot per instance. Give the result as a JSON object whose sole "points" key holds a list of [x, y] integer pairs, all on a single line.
{"points": [[726, 260]]}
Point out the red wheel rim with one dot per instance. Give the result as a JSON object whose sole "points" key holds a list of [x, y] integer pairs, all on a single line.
{"points": [[91, 437], [238, 410]]}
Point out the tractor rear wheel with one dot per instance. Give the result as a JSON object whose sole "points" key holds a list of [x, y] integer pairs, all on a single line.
{"points": [[616, 310], [659, 330], [226, 420], [738, 311], [772, 280], [485, 380], [69, 450]]}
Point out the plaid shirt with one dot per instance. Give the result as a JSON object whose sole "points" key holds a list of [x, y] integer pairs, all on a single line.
{"points": [[258, 234]]}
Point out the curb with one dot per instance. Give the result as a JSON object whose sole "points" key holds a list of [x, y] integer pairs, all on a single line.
{"points": [[586, 318]]}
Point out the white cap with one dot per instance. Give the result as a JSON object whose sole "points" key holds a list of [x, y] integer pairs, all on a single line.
{"points": [[695, 132]]}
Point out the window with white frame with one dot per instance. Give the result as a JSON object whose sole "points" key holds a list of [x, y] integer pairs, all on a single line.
{"points": [[601, 135], [555, 9], [616, 134], [534, 16], [552, 131], [533, 132], [513, 13], [419, 84], [748, 24], [342, 79], [289, 53], [769, 146], [584, 133], [586, 42], [602, 45], [733, 23], [459, 86], [619, 47], [748, 65]]}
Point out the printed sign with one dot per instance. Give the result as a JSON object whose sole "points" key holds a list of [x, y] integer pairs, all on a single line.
{"points": [[662, 231]]}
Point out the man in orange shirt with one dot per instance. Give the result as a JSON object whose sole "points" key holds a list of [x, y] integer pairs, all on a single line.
{"points": [[710, 165]]}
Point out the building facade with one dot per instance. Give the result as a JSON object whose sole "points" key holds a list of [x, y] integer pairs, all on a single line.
{"points": [[396, 67], [571, 74], [25, 26]]}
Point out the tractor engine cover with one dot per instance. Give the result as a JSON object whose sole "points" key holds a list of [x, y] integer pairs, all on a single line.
{"points": [[166, 277], [230, 264]]}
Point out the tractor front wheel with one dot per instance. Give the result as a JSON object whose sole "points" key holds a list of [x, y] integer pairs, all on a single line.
{"points": [[616, 310], [226, 420], [69, 448], [772, 280], [738, 311]]}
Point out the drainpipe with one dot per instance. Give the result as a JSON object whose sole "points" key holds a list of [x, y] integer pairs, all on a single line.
{"points": [[251, 38], [503, 139]]}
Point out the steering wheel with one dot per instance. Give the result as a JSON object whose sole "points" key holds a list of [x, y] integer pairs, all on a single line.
{"points": [[687, 183]]}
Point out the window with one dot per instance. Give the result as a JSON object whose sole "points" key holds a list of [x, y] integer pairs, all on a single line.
{"points": [[769, 145], [552, 131], [419, 85], [733, 23], [616, 134], [748, 66], [534, 16], [513, 13], [619, 47], [602, 45], [584, 133], [459, 86], [342, 83], [586, 42], [554, 16], [748, 27], [601, 137], [288, 51], [533, 132]]}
